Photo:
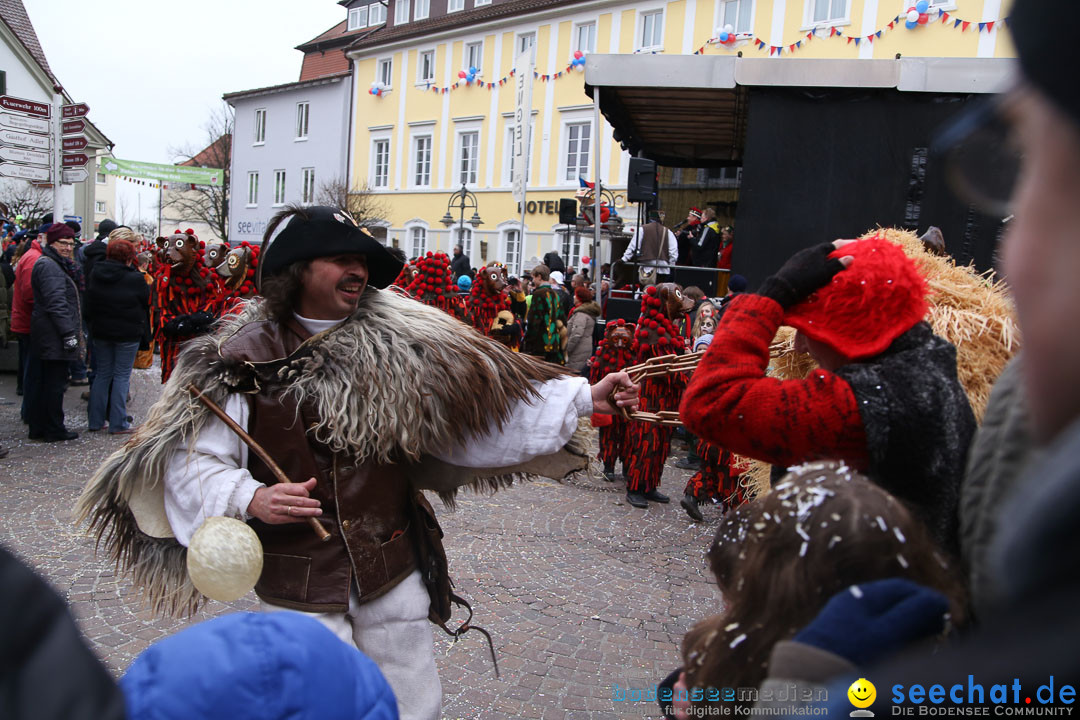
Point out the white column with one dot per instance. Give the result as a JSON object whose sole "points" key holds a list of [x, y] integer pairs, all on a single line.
{"points": [[776, 31], [690, 11], [869, 20], [988, 40], [549, 106], [445, 157], [402, 128], [494, 126]]}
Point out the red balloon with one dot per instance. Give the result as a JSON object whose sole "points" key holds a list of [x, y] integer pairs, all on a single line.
{"points": [[584, 259], [923, 19], [578, 54], [461, 73]]}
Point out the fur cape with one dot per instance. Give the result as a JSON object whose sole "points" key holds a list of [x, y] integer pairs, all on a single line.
{"points": [[397, 381]]}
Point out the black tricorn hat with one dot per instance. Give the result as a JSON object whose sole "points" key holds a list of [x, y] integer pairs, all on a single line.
{"points": [[321, 231]]}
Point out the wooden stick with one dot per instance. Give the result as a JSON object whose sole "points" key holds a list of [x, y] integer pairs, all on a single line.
{"points": [[257, 449]]}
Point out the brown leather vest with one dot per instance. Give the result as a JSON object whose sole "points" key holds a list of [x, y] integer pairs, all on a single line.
{"points": [[366, 508], [653, 243]]}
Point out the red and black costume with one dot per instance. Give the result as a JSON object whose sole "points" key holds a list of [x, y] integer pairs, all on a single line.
{"points": [[613, 353], [236, 273], [488, 297], [186, 294], [895, 410], [433, 284], [656, 335]]}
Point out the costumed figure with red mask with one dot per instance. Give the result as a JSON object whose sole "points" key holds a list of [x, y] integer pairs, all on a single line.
{"points": [[658, 334], [488, 297], [432, 283], [236, 270], [885, 397], [186, 294], [614, 353]]}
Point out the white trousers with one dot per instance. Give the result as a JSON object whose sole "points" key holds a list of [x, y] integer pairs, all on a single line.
{"points": [[395, 632]]}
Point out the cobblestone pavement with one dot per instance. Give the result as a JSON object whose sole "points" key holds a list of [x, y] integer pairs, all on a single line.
{"points": [[580, 591]]}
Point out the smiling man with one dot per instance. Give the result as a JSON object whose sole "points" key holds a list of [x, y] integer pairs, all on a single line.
{"points": [[363, 397]]}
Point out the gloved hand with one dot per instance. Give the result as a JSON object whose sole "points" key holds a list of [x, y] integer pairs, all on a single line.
{"points": [[803, 273], [71, 342], [196, 323], [875, 621]]}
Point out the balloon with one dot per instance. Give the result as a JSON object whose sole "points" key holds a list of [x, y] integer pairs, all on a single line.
{"points": [[923, 19], [910, 25], [913, 15], [729, 29], [461, 73], [578, 54], [922, 6], [584, 259], [224, 559], [723, 37], [473, 70]]}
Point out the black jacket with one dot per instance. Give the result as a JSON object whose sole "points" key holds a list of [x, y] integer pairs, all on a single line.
{"points": [[56, 309], [117, 301], [46, 670], [554, 262], [92, 254], [706, 247], [459, 265]]}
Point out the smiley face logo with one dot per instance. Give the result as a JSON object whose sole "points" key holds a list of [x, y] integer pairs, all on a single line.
{"points": [[862, 693]]}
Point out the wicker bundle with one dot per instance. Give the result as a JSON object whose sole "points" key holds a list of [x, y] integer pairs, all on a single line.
{"points": [[974, 312]]}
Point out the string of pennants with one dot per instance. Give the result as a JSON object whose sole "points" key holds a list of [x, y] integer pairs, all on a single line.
{"points": [[460, 83], [140, 181], [156, 184], [943, 16]]}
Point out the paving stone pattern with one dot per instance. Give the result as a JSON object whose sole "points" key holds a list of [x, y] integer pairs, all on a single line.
{"points": [[579, 590]]}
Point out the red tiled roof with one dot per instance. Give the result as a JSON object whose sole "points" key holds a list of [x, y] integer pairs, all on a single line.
{"points": [[210, 155], [14, 16], [384, 34], [321, 64]]}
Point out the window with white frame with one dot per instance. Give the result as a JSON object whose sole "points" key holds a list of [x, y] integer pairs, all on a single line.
{"points": [[376, 14], [260, 126], [571, 246], [307, 189], [422, 161], [380, 163], [455, 5], [253, 189], [303, 110], [737, 14], [577, 150], [100, 207], [385, 72], [468, 150], [474, 54], [401, 12], [526, 41], [936, 4], [417, 241], [651, 30], [512, 253], [826, 11], [358, 18], [99, 178], [463, 237], [508, 178], [425, 67], [478, 3], [422, 9], [279, 187], [585, 37]]}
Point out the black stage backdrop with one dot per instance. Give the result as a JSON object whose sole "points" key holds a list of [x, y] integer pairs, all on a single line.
{"points": [[822, 164]]}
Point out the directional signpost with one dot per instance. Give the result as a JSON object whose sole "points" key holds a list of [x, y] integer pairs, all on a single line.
{"points": [[75, 111], [75, 143], [23, 122], [74, 175], [30, 107], [71, 127], [75, 159], [31, 157], [22, 139], [25, 172]]}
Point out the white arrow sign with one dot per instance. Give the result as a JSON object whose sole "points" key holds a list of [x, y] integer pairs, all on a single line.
{"points": [[11, 137], [22, 122], [26, 172], [74, 175], [110, 165], [25, 156]]}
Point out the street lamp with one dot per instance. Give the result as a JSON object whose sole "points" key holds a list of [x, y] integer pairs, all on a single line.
{"points": [[461, 201]]}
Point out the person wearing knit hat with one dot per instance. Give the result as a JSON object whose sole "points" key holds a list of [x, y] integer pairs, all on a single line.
{"points": [[363, 397], [885, 397]]}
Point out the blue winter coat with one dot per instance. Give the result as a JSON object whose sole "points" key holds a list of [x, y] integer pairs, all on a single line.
{"points": [[256, 666], [57, 315]]}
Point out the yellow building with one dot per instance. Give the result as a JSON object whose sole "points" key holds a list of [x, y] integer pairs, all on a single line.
{"points": [[428, 131]]}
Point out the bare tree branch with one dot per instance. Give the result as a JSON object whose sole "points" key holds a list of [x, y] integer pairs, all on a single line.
{"points": [[22, 198], [207, 203], [366, 207]]}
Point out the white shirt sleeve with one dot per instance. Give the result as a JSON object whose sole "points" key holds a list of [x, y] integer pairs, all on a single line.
{"points": [[673, 248], [541, 426], [632, 247], [210, 479]]}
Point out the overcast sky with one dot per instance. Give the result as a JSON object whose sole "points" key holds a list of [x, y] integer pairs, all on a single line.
{"points": [[152, 70]]}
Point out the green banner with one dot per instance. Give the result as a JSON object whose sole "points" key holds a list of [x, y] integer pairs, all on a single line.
{"points": [[164, 173]]}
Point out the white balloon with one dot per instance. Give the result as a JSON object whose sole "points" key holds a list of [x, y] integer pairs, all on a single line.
{"points": [[913, 16], [716, 31], [729, 29], [224, 559]]}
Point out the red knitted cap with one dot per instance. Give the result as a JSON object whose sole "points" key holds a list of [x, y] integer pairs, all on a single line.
{"points": [[865, 307]]}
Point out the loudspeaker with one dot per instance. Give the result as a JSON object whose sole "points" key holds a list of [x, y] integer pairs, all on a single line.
{"points": [[641, 181], [567, 211]]}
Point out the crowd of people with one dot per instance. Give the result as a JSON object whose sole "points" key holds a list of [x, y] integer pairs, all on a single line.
{"points": [[899, 539]]}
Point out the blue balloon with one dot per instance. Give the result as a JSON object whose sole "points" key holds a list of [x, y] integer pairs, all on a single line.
{"points": [[723, 37], [911, 25], [922, 6], [472, 70]]}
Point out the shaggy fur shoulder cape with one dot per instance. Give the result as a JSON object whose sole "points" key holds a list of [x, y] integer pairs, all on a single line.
{"points": [[394, 383]]}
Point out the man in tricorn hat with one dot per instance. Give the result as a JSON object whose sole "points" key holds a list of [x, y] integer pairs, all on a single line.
{"points": [[363, 397]]}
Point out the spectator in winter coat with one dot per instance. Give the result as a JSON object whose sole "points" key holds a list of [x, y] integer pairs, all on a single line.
{"points": [[256, 666], [22, 307], [117, 302], [459, 264], [886, 398], [95, 251], [580, 329], [55, 334]]}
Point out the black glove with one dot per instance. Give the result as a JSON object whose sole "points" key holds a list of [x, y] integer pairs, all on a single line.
{"points": [[803, 273], [71, 342], [196, 323]]}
